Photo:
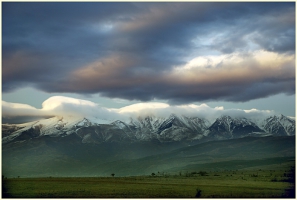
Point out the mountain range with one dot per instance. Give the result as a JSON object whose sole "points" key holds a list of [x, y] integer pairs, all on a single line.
{"points": [[88, 146], [148, 128]]}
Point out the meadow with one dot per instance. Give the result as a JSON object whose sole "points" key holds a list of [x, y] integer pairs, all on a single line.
{"points": [[275, 181]]}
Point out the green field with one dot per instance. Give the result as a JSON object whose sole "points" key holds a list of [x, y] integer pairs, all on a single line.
{"points": [[240, 168], [248, 183]]}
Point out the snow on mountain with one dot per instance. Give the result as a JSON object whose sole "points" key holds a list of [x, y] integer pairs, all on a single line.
{"points": [[179, 127], [288, 124], [279, 125], [12, 131], [173, 128], [227, 127], [146, 128]]}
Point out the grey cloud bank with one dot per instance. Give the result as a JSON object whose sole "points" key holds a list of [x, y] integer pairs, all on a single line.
{"points": [[134, 50]]}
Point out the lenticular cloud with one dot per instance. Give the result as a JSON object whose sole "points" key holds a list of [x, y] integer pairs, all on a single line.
{"points": [[62, 106], [17, 109], [65, 105]]}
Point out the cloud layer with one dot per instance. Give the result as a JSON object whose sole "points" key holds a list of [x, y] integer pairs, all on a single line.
{"points": [[66, 106], [180, 52]]}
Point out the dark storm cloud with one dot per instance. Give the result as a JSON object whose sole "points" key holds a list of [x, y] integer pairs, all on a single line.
{"points": [[21, 67], [130, 50], [231, 78]]}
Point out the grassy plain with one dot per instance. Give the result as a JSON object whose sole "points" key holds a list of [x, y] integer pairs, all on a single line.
{"points": [[248, 183]]}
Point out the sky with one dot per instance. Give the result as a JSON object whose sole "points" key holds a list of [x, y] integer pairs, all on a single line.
{"points": [[223, 55]]}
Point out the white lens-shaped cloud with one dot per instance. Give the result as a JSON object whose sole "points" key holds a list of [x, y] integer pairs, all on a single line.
{"points": [[66, 106]]}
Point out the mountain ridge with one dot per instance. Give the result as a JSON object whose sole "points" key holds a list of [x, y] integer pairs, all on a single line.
{"points": [[147, 128]]}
